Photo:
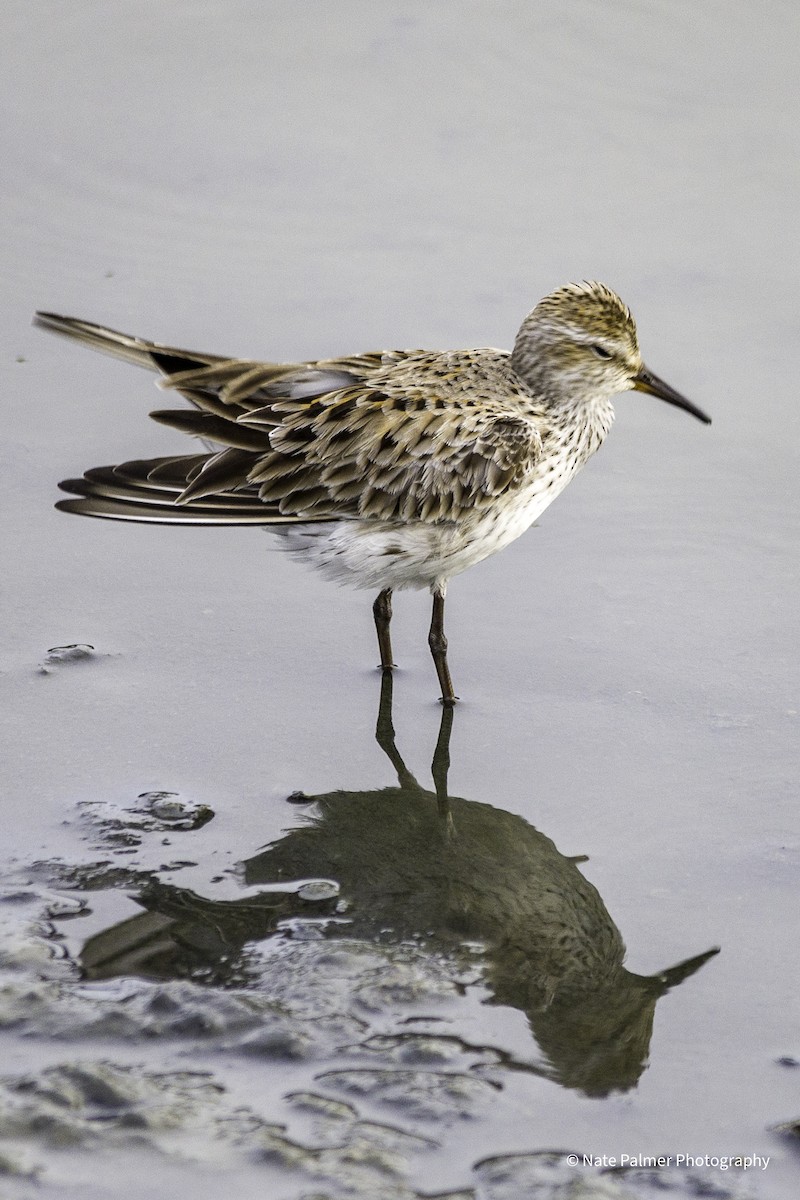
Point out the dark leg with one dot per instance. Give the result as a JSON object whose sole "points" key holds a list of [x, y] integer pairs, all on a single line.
{"points": [[382, 612], [384, 736], [438, 644], [440, 766]]}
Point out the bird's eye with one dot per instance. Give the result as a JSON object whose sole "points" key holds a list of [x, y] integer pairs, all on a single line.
{"points": [[601, 351]]}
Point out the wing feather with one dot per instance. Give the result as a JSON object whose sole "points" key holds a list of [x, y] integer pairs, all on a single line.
{"points": [[410, 435]]}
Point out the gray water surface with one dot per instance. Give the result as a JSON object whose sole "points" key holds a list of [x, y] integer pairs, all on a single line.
{"points": [[202, 986]]}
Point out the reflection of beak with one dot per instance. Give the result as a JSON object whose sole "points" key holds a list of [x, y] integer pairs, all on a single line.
{"points": [[646, 381], [670, 978]]}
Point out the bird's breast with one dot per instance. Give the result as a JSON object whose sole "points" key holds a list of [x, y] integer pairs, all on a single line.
{"points": [[401, 553]]}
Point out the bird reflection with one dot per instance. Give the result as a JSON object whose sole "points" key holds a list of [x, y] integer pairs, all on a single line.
{"points": [[418, 864]]}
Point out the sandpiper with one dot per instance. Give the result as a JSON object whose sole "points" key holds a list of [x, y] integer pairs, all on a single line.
{"points": [[394, 469]]}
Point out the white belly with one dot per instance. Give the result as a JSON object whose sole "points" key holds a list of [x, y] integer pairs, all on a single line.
{"points": [[419, 554]]}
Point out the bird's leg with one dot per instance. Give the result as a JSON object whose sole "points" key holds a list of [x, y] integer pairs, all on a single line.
{"points": [[439, 768], [384, 736], [382, 612], [438, 644]]}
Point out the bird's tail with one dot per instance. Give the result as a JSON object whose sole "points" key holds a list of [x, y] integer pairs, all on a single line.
{"points": [[135, 350], [189, 489], [148, 490]]}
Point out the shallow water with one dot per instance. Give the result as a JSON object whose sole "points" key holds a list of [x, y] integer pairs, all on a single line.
{"points": [[348, 995]]}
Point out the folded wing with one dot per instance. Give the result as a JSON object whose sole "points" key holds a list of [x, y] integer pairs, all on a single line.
{"points": [[387, 436]]}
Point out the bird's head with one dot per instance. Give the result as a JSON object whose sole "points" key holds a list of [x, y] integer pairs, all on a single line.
{"points": [[580, 344]]}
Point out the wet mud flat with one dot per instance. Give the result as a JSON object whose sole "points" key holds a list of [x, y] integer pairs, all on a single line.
{"points": [[385, 990], [377, 1004]]}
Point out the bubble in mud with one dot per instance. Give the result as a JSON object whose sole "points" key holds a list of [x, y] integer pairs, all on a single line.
{"points": [[319, 889], [167, 806], [299, 797], [154, 812], [171, 809], [58, 656]]}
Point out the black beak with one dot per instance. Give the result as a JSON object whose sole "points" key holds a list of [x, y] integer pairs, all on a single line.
{"points": [[646, 381]]}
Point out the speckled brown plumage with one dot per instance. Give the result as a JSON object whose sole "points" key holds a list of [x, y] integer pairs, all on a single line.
{"points": [[385, 470]]}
